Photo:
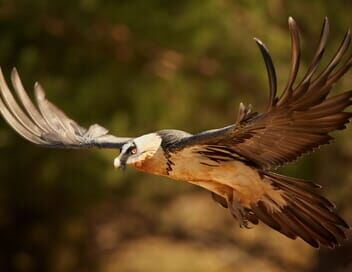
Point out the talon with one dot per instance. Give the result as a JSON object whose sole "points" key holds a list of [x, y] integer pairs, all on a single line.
{"points": [[238, 211]]}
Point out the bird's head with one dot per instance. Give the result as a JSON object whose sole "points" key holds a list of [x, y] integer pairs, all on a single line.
{"points": [[137, 150]]}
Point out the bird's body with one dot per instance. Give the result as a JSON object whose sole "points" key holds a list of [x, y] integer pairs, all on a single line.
{"points": [[234, 163], [230, 177], [226, 179]]}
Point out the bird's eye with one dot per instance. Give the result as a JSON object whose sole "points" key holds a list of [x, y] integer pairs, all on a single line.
{"points": [[133, 150]]}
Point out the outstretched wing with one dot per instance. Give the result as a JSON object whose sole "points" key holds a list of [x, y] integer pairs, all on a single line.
{"points": [[45, 124], [297, 122]]}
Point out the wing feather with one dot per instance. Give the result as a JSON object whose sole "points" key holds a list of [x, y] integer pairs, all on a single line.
{"points": [[46, 125], [297, 122], [271, 73], [295, 58]]}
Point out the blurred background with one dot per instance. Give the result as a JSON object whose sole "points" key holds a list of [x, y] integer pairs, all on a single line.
{"points": [[136, 67]]}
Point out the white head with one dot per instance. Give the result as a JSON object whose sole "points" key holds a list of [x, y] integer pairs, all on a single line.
{"points": [[138, 149]]}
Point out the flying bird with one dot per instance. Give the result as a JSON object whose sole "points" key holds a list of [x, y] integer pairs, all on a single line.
{"points": [[235, 163]]}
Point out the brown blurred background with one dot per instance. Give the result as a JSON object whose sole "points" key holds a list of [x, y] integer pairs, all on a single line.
{"points": [[136, 67]]}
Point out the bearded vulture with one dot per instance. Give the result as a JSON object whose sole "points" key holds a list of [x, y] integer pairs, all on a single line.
{"points": [[234, 163]]}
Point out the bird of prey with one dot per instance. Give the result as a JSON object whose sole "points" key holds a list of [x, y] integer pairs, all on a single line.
{"points": [[235, 163]]}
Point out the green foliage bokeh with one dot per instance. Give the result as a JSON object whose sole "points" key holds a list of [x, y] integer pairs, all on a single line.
{"points": [[136, 67]]}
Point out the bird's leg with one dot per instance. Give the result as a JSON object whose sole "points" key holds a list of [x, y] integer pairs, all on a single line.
{"points": [[237, 210]]}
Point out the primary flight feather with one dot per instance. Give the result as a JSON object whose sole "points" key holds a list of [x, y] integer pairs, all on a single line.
{"points": [[236, 162]]}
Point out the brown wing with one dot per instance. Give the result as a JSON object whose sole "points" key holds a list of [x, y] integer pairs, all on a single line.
{"points": [[297, 122], [45, 124]]}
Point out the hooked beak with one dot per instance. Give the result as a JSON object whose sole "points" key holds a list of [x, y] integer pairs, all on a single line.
{"points": [[119, 164]]}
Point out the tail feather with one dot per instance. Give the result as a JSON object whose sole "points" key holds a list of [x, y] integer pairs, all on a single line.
{"points": [[321, 213], [303, 213], [285, 229], [262, 212], [306, 214], [314, 227], [301, 190], [336, 230]]}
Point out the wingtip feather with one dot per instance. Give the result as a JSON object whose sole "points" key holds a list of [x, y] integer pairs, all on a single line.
{"points": [[291, 21], [39, 91], [270, 71]]}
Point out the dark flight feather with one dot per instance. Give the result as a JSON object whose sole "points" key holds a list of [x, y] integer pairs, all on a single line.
{"points": [[271, 73], [295, 58], [294, 124]]}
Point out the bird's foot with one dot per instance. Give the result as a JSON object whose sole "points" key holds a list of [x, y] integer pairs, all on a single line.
{"points": [[238, 211]]}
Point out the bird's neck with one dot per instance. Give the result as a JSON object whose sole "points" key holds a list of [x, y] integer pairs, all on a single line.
{"points": [[156, 164]]}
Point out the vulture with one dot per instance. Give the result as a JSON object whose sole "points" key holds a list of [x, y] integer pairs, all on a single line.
{"points": [[235, 163]]}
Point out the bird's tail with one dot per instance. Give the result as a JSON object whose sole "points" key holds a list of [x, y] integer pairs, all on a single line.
{"points": [[306, 214]]}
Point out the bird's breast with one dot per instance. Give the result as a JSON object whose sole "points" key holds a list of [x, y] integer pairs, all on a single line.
{"points": [[219, 177], [155, 164]]}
